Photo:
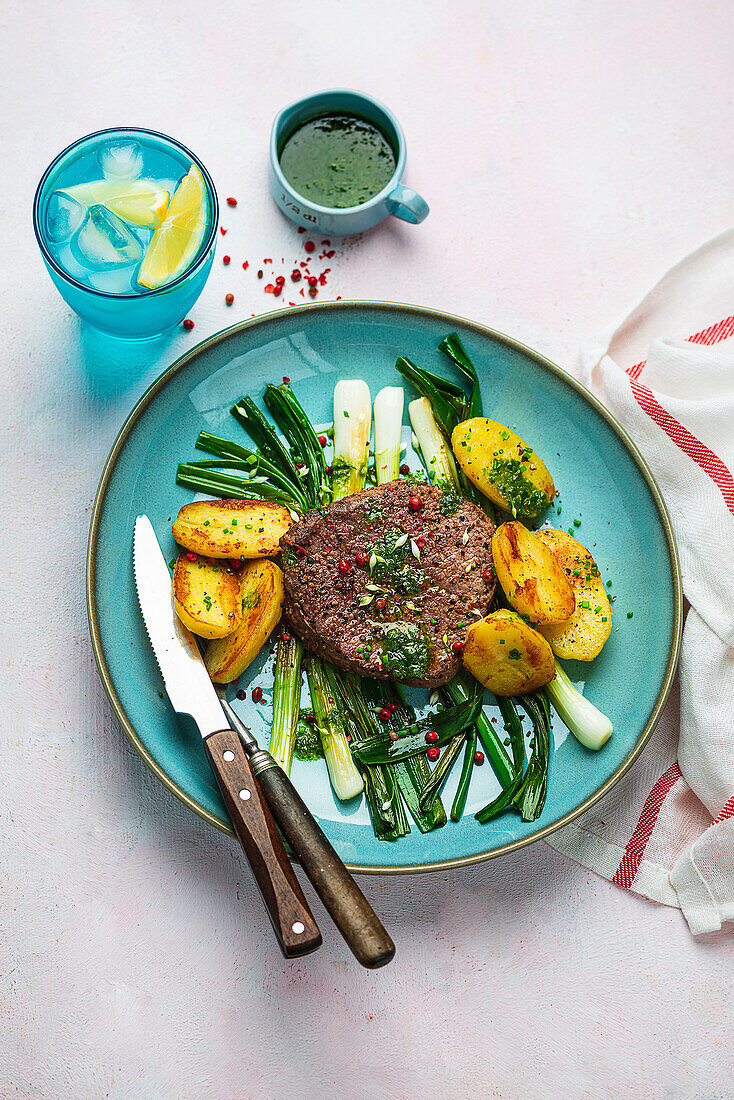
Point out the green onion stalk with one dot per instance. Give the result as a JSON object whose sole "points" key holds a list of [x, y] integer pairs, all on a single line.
{"points": [[462, 790], [345, 779], [385, 804], [352, 427], [412, 773], [388, 433], [588, 725], [286, 700], [529, 799]]}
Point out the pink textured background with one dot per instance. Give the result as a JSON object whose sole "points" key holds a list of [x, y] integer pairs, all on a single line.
{"points": [[571, 153]]}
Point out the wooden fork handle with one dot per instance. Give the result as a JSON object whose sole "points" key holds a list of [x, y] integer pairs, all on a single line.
{"points": [[292, 920]]}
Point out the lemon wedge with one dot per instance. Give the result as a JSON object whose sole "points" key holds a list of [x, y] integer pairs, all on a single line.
{"points": [[139, 202], [178, 238]]}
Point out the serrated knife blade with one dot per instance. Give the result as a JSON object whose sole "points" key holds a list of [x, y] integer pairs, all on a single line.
{"points": [[191, 692], [187, 681]]}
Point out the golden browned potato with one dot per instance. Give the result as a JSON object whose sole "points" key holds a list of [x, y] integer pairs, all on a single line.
{"points": [[261, 595], [507, 655], [206, 597], [583, 635], [231, 528], [531, 578], [503, 466]]}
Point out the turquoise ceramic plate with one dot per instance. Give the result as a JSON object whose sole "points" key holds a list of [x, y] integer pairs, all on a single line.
{"points": [[601, 478]]}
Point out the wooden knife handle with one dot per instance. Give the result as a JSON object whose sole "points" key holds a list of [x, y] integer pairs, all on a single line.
{"points": [[294, 925], [349, 909]]}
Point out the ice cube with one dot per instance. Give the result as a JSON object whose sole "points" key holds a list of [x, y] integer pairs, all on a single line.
{"points": [[116, 280], [64, 216], [122, 160], [105, 241]]}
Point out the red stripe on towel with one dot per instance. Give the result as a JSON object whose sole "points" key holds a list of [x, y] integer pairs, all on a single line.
{"points": [[702, 455], [714, 334], [727, 810], [635, 850]]}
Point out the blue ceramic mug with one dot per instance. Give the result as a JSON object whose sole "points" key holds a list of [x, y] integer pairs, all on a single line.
{"points": [[396, 199]]}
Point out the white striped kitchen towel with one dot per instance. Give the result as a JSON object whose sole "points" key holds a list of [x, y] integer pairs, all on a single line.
{"points": [[666, 372]]}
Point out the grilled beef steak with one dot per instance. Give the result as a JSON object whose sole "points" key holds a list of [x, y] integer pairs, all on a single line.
{"points": [[386, 582]]}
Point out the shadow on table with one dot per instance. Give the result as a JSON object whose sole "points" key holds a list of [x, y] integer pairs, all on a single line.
{"points": [[109, 367]]}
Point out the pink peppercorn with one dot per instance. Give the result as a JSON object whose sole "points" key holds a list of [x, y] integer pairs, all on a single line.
{"points": [[384, 715], [415, 504], [379, 605], [458, 646], [191, 556], [431, 736], [188, 324], [343, 567], [257, 694], [433, 753], [231, 202], [226, 259], [323, 440], [360, 558], [309, 246], [478, 758], [229, 299]]}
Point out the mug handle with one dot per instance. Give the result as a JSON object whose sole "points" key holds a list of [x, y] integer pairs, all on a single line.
{"points": [[405, 203]]}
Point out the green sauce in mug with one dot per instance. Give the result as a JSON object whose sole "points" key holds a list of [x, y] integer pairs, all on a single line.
{"points": [[337, 160]]}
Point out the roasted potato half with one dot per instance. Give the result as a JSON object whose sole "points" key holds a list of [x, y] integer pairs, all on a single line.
{"points": [[206, 597], [503, 466], [507, 655], [531, 578], [261, 597], [232, 528], [583, 635]]}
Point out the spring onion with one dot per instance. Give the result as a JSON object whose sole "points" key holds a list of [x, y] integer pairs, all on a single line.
{"points": [[382, 749], [286, 700], [411, 774], [496, 752], [246, 412], [529, 799], [345, 779], [388, 429], [463, 789], [439, 775], [588, 725], [444, 410], [382, 793], [291, 418], [218, 484], [453, 347], [352, 426], [436, 455]]}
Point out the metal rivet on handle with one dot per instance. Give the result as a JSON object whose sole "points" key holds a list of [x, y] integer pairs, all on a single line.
{"points": [[244, 794], [228, 755], [298, 927]]}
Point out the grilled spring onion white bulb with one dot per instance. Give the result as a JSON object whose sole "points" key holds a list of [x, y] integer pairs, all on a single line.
{"points": [[388, 430], [352, 427], [437, 457]]}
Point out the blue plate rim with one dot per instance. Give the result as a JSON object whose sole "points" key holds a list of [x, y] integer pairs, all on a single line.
{"points": [[451, 320]]}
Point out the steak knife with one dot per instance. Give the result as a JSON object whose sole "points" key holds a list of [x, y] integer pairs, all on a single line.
{"points": [[235, 761], [190, 691]]}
